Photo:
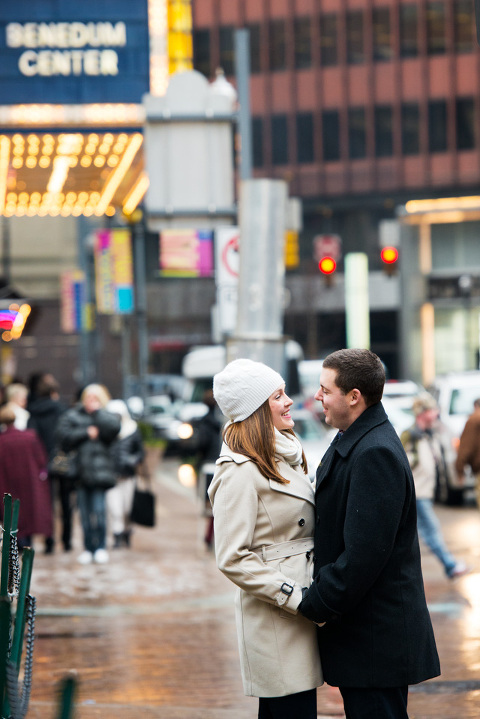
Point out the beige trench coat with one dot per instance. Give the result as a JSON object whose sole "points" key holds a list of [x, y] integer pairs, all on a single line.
{"points": [[264, 544]]}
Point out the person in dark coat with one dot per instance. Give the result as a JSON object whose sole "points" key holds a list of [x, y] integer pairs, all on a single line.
{"points": [[368, 593], [23, 474], [89, 429], [209, 445], [45, 410]]}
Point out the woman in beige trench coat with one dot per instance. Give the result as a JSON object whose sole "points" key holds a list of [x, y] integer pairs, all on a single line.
{"points": [[263, 506]]}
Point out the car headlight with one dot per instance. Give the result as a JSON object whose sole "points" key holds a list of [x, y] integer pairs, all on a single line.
{"points": [[185, 431]]}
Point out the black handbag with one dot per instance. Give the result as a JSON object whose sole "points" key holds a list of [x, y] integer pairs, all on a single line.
{"points": [[63, 464], [143, 507]]}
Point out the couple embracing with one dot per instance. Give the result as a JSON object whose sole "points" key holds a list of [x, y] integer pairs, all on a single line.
{"points": [[329, 578]]}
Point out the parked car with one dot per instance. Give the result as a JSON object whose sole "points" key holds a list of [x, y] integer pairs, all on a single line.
{"points": [[401, 418], [402, 392]]}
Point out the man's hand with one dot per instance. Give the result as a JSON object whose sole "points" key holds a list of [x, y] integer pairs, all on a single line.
{"points": [[92, 431]]}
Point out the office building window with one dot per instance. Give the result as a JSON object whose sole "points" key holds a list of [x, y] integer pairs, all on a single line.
{"points": [[277, 45], [383, 132], [464, 25], [408, 31], [437, 126], [331, 135], [329, 39], [303, 42], [465, 117], [305, 149], [355, 41], [382, 40], [279, 140], [410, 129], [436, 27], [255, 45], [227, 50], [357, 133], [201, 51], [257, 141]]}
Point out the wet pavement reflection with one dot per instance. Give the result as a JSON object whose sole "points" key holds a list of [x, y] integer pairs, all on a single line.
{"points": [[152, 633]]}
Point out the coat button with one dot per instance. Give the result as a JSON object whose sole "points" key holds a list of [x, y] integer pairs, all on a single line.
{"points": [[301, 522], [308, 556]]}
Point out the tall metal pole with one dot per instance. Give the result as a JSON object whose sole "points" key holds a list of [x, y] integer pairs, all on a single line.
{"points": [[138, 237], [242, 71]]}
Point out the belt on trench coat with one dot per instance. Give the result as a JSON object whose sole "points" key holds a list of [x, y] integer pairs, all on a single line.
{"points": [[284, 549]]}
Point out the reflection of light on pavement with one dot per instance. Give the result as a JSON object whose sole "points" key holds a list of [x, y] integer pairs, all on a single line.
{"points": [[187, 475]]}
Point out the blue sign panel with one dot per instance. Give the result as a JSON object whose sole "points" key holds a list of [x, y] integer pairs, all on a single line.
{"points": [[59, 51]]}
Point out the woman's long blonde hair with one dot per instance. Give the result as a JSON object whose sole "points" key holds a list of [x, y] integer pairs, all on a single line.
{"points": [[255, 438]]}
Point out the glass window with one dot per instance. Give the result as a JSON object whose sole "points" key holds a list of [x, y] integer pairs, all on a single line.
{"points": [[436, 28], [277, 45], [464, 25], [331, 135], [303, 42], [383, 132], [227, 50], [357, 134], [201, 51], [455, 246], [355, 42], [437, 126], [382, 41], [305, 149], [408, 31], [410, 129], [279, 140], [255, 44], [329, 39], [465, 117], [257, 141]]}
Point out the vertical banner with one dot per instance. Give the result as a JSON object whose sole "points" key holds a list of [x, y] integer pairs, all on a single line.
{"points": [[73, 301], [113, 272]]}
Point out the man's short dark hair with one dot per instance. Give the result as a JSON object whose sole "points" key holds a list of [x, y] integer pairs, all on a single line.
{"points": [[358, 369]]}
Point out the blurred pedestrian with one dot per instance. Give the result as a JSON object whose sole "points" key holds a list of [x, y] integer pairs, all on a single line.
{"points": [[469, 449], [88, 430], [367, 586], [16, 394], [426, 455], [45, 410], [128, 452], [263, 504], [23, 474]]}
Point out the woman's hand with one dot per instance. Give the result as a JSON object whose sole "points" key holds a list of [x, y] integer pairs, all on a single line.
{"points": [[92, 431]]}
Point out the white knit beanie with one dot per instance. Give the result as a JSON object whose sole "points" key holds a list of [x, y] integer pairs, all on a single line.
{"points": [[243, 386]]}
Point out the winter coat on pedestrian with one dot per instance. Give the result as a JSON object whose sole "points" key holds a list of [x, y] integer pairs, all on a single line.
{"points": [[263, 543], [469, 446], [23, 474], [44, 415], [95, 467], [368, 584]]}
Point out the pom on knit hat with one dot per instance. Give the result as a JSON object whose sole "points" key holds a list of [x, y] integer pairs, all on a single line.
{"points": [[243, 386]]}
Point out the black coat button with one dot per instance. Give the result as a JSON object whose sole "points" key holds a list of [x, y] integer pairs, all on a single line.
{"points": [[301, 522], [308, 556]]}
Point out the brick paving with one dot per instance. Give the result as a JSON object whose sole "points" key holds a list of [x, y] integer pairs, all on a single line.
{"points": [[152, 633]]}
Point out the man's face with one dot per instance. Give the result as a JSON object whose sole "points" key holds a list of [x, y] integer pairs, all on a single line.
{"points": [[336, 405]]}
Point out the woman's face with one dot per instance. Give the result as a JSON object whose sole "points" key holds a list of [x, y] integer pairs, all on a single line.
{"points": [[280, 404], [91, 402]]}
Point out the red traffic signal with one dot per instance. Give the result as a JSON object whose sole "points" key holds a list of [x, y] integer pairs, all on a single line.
{"points": [[327, 265], [389, 255]]}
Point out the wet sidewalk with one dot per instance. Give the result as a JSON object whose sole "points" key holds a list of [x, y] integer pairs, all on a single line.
{"points": [[152, 633]]}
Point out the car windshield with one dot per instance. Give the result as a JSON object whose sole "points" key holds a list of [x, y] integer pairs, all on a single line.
{"points": [[462, 399]]}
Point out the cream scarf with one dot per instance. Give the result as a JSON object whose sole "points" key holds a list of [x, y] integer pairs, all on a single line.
{"points": [[288, 448]]}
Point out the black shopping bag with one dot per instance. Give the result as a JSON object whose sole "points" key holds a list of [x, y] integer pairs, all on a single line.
{"points": [[143, 507]]}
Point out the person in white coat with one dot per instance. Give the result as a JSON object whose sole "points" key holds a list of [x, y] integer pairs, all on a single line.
{"points": [[263, 507]]}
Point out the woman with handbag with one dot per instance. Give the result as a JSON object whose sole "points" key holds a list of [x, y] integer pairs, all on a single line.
{"points": [[89, 429], [128, 453], [263, 506]]}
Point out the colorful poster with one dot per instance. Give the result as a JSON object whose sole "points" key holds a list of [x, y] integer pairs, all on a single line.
{"points": [[72, 310], [186, 253], [113, 272]]}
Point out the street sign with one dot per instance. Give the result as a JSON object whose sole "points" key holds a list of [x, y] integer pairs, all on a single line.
{"points": [[327, 245]]}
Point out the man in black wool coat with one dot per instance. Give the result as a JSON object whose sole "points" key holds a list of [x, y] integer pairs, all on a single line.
{"points": [[376, 635]]}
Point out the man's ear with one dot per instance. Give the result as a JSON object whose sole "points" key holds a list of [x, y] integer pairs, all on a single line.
{"points": [[355, 397]]}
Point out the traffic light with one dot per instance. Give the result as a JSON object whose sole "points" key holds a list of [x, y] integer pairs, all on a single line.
{"points": [[389, 256], [327, 267]]}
